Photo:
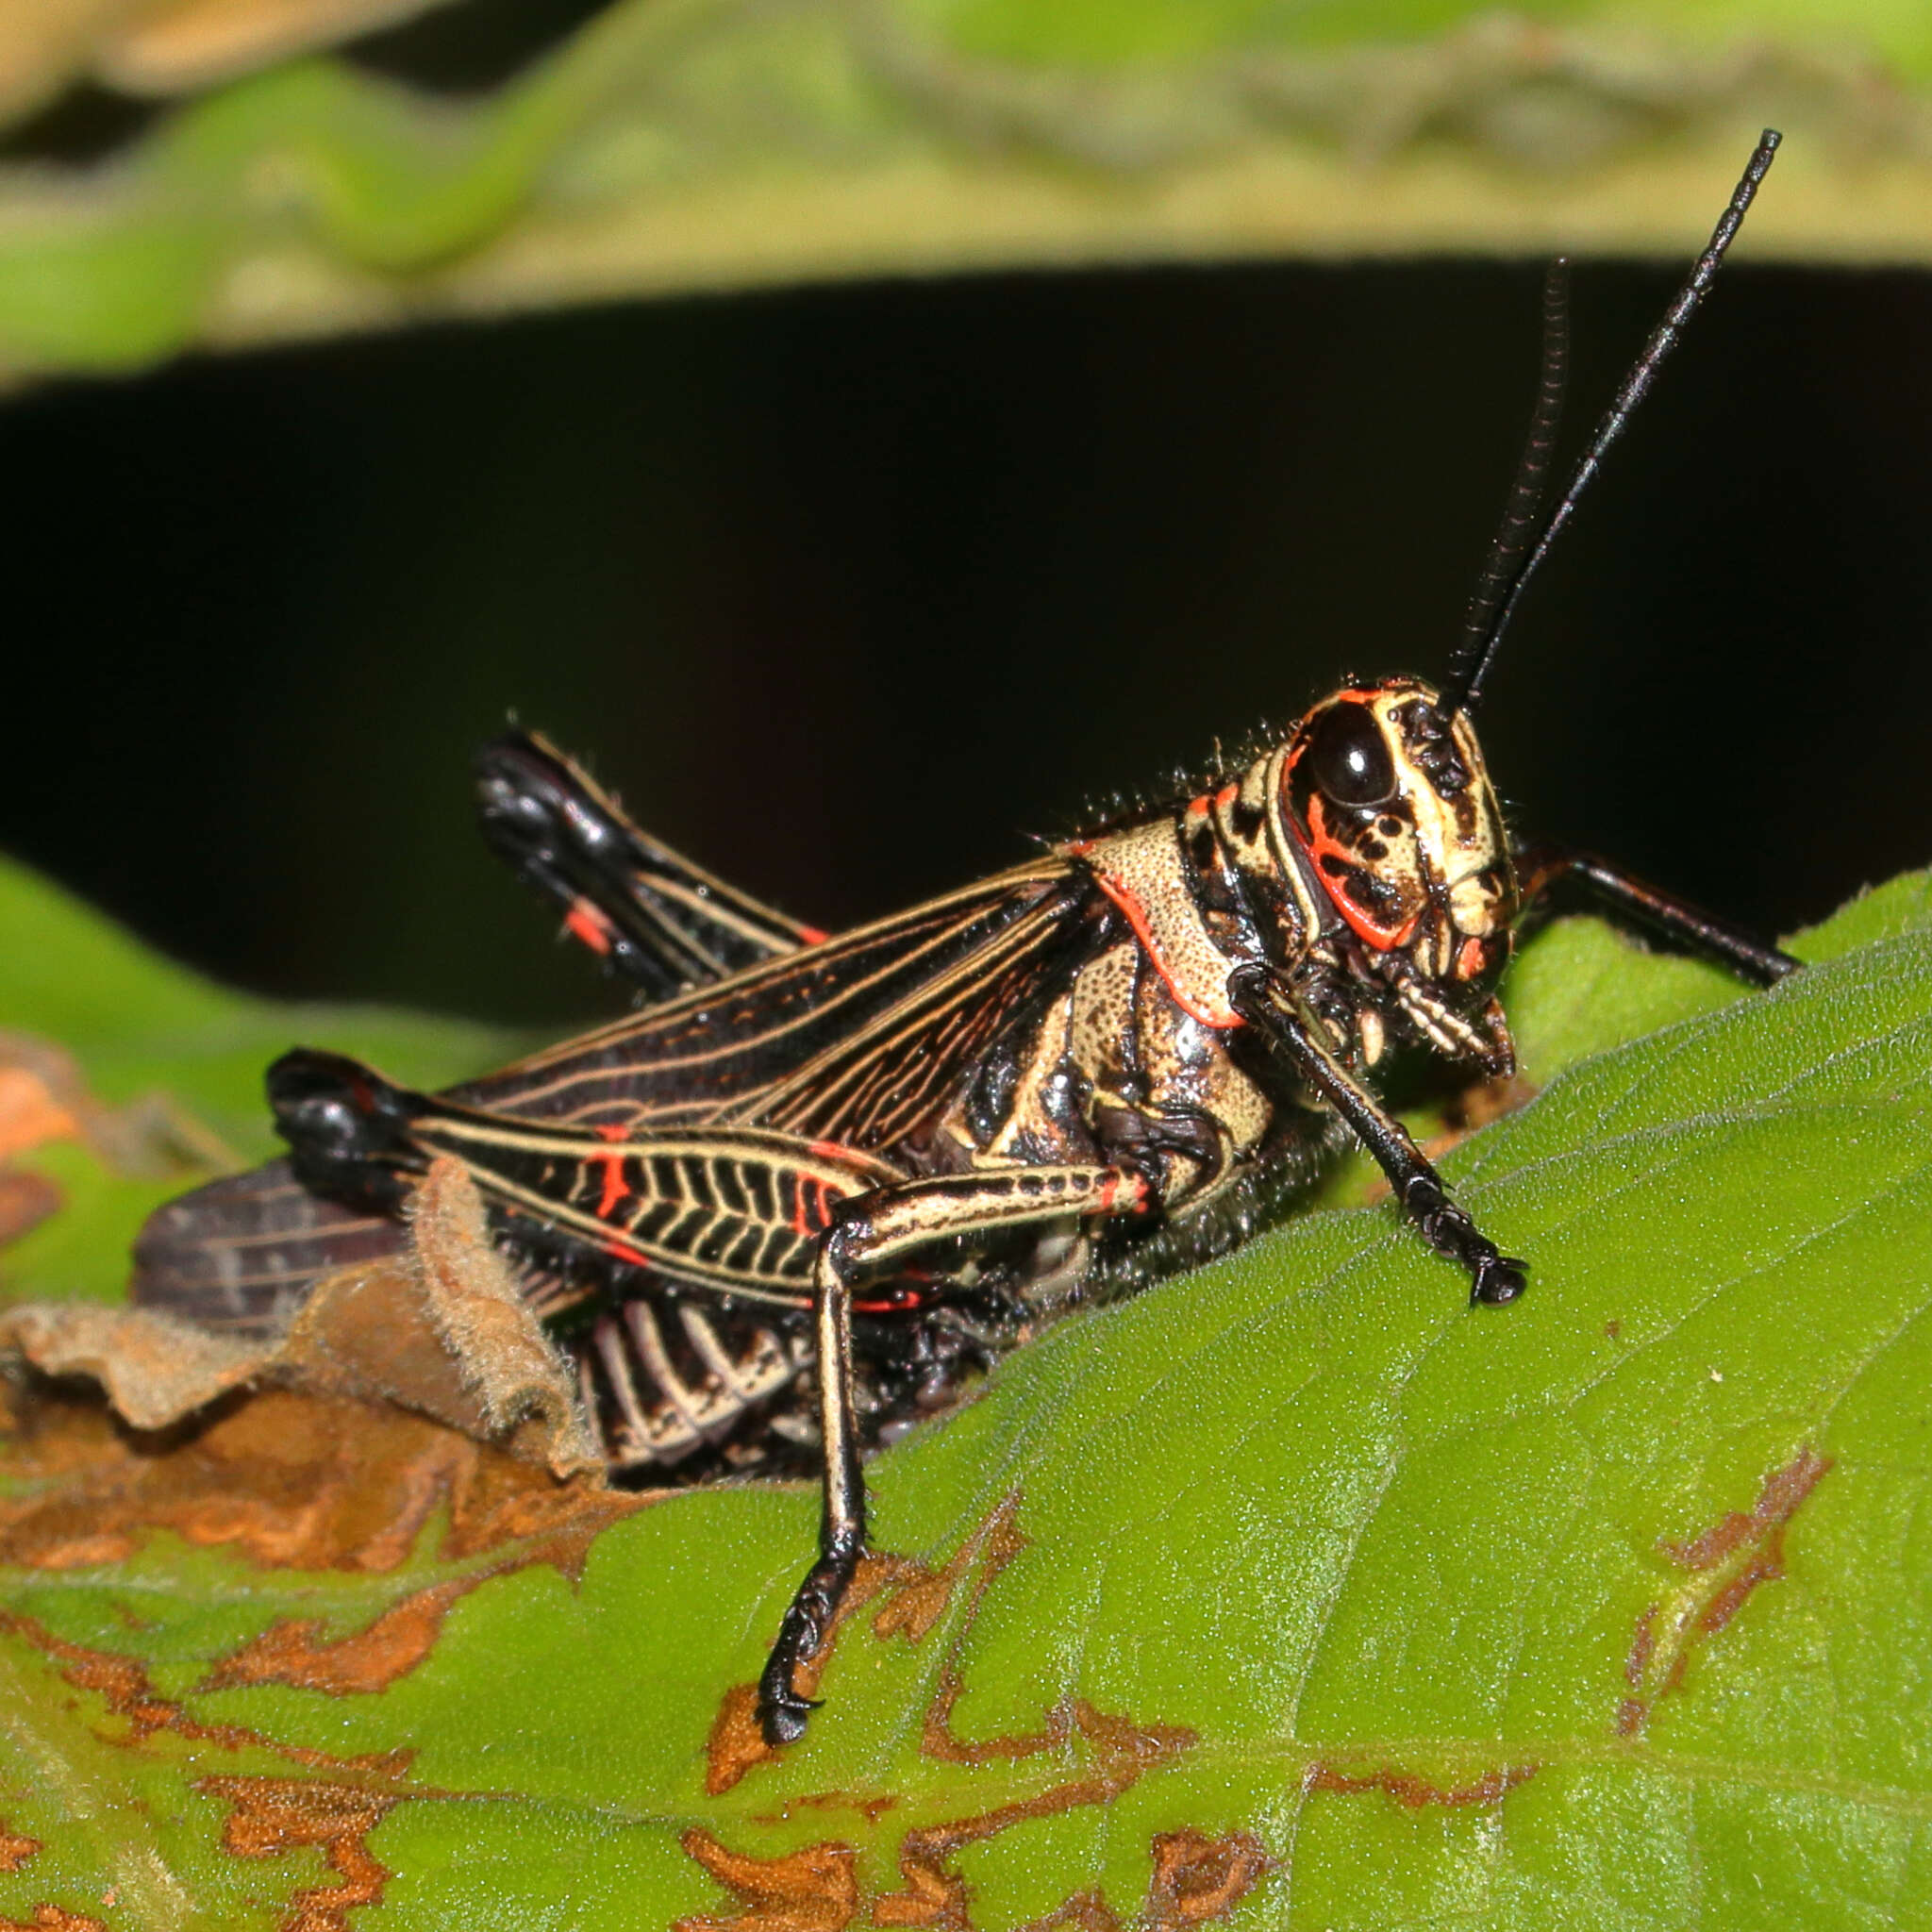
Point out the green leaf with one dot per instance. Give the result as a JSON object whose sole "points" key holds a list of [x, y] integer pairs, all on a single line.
{"points": [[678, 144], [1292, 1588], [141, 1029]]}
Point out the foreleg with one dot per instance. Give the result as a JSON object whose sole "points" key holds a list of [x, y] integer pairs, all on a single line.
{"points": [[1297, 1042], [1541, 869]]}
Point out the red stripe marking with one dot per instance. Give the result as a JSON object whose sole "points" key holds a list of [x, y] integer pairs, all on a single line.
{"points": [[895, 1301], [609, 1130], [813, 936], [1225, 1017], [583, 922], [1226, 795], [623, 1251], [615, 1186], [812, 1213]]}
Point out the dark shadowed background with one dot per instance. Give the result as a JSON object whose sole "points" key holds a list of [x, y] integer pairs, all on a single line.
{"points": [[848, 590]]}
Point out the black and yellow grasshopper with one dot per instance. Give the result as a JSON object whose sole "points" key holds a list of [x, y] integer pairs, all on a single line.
{"points": [[817, 1184]]}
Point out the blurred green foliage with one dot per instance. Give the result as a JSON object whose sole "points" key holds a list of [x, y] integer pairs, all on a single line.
{"points": [[676, 144]]}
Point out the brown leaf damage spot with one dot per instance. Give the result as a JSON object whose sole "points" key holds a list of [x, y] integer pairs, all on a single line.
{"points": [[735, 1742], [15, 1849], [267, 1815], [1407, 1788], [1198, 1880], [814, 1890], [1097, 1756], [921, 1597], [122, 1683], [119, 1682], [1120, 1754], [1085, 1911], [39, 1091], [368, 1660], [1635, 1708], [870, 1806], [1758, 1539], [25, 1200], [984, 1559], [551, 1530], [917, 1597], [52, 1918], [270, 1816], [1725, 1563]]}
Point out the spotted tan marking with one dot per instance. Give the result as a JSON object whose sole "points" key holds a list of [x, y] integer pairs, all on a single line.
{"points": [[1144, 872]]}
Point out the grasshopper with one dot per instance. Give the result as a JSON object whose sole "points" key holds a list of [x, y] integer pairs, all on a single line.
{"points": [[817, 1184]]}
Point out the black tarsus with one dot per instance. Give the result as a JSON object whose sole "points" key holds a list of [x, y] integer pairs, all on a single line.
{"points": [[1494, 1278], [1471, 664], [808, 1618], [1518, 528]]}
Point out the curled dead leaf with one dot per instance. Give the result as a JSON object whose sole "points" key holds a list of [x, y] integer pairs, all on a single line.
{"points": [[440, 1331]]}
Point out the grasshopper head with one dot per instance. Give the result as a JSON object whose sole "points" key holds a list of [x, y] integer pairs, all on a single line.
{"points": [[1390, 799]]}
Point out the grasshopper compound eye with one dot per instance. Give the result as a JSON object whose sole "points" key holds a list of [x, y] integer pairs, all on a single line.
{"points": [[1348, 757]]}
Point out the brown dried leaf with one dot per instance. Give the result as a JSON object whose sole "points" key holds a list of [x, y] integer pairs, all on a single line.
{"points": [[293, 1479], [441, 1332]]}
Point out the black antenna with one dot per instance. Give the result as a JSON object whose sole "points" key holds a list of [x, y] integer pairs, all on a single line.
{"points": [[1477, 651], [1518, 530]]}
